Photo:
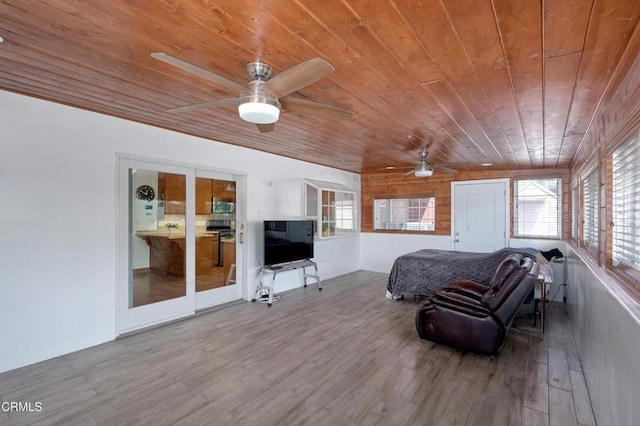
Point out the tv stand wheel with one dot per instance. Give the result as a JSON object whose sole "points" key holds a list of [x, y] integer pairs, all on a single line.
{"points": [[319, 288], [402, 297], [253, 300], [305, 285], [269, 304]]}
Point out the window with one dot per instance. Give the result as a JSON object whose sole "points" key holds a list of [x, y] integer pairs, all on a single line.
{"points": [[590, 212], [626, 209], [537, 208], [332, 207], [574, 214], [405, 214]]}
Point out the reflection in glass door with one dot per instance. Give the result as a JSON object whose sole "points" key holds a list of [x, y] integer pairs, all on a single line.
{"points": [[155, 244], [157, 237], [216, 227], [215, 233]]}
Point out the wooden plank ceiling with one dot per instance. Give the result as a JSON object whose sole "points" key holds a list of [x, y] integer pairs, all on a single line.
{"points": [[513, 83]]}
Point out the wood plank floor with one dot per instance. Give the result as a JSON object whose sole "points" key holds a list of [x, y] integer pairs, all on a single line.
{"points": [[149, 287], [342, 356]]}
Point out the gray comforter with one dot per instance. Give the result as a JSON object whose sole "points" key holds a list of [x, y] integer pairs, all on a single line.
{"points": [[425, 271]]}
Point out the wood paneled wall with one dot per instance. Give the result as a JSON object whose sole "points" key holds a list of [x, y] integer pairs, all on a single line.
{"points": [[395, 184], [617, 117]]}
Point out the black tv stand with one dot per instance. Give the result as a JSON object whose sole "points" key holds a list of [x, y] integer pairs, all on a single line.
{"points": [[265, 293]]}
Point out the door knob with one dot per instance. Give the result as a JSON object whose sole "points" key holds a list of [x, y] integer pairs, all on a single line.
{"points": [[457, 240]]}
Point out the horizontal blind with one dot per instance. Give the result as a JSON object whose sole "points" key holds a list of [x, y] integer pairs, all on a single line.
{"points": [[590, 212], [626, 205], [537, 205], [404, 214], [574, 214]]}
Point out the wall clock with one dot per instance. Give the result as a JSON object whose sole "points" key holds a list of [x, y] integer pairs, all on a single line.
{"points": [[145, 193]]}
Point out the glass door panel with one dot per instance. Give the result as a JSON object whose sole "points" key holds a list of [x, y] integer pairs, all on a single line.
{"points": [[155, 243], [157, 237], [215, 233], [216, 250]]}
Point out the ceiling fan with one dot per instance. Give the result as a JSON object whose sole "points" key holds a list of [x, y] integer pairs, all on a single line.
{"points": [[424, 168], [261, 100]]}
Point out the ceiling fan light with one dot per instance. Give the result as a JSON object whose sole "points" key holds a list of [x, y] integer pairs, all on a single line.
{"points": [[258, 112], [257, 106], [423, 173], [423, 170]]}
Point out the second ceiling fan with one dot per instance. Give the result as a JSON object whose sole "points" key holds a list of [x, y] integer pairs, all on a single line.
{"points": [[424, 168], [260, 102]]}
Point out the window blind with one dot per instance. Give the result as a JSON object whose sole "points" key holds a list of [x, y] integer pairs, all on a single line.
{"points": [[574, 214], [537, 207], [590, 212], [626, 206]]}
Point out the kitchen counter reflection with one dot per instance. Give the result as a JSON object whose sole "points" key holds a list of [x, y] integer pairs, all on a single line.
{"points": [[167, 251]]}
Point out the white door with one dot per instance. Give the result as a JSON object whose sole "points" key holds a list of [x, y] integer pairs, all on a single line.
{"points": [[480, 213]]}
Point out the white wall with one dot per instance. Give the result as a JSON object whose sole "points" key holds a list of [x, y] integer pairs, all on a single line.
{"points": [[606, 327], [58, 177], [379, 250]]}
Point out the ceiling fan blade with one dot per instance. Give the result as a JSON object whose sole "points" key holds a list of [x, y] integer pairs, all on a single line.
{"points": [[209, 104], [297, 77], [397, 167], [458, 164], [410, 172], [265, 128], [315, 108], [214, 78], [443, 169]]}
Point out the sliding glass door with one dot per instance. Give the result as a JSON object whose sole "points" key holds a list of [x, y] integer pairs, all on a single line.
{"points": [[177, 242]]}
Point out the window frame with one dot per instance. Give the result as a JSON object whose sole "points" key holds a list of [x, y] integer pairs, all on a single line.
{"points": [[407, 199], [629, 275], [515, 202], [325, 200]]}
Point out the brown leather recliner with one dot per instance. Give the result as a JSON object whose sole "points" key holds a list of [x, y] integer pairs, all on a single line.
{"points": [[472, 317], [478, 291]]}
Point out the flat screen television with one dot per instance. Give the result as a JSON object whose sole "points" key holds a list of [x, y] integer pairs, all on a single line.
{"points": [[287, 241]]}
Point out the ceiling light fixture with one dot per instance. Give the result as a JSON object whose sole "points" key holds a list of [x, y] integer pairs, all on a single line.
{"points": [[258, 112], [257, 106], [423, 170]]}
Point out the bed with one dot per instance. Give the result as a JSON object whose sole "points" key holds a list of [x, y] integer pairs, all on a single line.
{"points": [[425, 271]]}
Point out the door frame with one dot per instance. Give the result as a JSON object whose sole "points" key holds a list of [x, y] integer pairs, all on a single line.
{"points": [[507, 209], [183, 306]]}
